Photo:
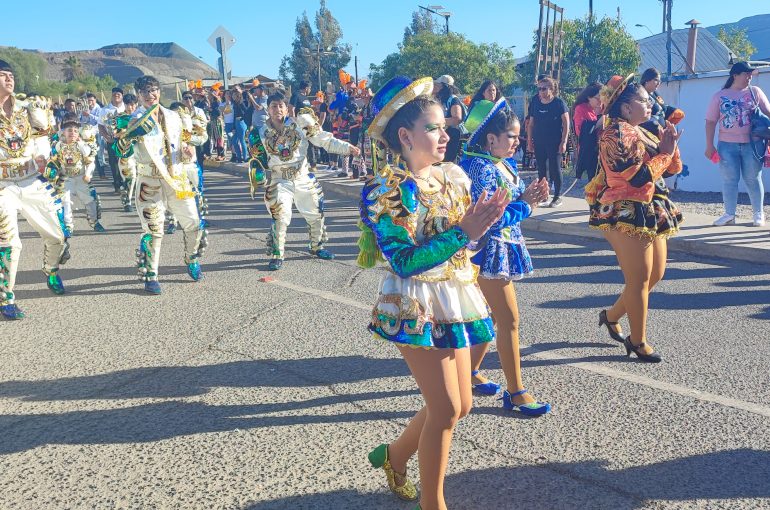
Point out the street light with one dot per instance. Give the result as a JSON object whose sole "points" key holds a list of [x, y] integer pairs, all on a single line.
{"points": [[644, 26], [320, 53], [438, 10]]}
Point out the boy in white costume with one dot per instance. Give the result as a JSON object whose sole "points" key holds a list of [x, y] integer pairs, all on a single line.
{"points": [[23, 190], [75, 161], [282, 144], [153, 138]]}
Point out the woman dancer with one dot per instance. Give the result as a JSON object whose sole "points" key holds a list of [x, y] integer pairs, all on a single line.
{"points": [[629, 203], [503, 256], [419, 216]]}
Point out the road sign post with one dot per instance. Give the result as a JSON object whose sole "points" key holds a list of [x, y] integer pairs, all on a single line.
{"points": [[222, 40]]}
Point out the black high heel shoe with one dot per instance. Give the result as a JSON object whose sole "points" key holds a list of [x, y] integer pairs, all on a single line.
{"points": [[637, 349], [604, 322]]}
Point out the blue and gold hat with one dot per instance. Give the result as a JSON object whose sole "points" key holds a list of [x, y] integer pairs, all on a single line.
{"points": [[480, 115], [391, 97]]}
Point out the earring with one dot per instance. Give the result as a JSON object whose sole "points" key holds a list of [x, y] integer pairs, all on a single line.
{"points": [[410, 146]]}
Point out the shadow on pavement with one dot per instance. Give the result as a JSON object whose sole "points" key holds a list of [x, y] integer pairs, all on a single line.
{"points": [[189, 381], [725, 475], [165, 420]]}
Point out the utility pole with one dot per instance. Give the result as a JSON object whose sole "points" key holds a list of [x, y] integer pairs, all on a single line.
{"points": [[319, 52], [438, 11], [670, 4]]}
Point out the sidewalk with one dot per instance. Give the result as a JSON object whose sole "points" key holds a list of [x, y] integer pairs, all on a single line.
{"points": [[697, 237]]}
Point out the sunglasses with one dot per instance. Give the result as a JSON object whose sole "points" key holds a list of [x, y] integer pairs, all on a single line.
{"points": [[186, 98], [543, 89]]}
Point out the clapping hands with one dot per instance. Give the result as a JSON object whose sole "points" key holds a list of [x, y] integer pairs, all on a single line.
{"points": [[536, 192], [669, 137], [484, 213]]}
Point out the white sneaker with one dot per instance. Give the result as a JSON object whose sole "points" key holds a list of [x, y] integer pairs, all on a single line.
{"points": [[725, 219], [759, 219]]}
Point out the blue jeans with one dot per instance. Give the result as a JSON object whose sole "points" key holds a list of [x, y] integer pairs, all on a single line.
{"points": [[736, 161], [239, 142]]}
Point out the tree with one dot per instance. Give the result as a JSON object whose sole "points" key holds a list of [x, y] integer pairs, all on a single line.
{"points": [[29, 73], [422, 21], [28, 68], [592, 51], [302, 63], [73, 69], [738, 42], [430, 54]]}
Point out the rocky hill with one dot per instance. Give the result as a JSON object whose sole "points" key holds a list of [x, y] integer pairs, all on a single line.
{"points": [[168, 62]]}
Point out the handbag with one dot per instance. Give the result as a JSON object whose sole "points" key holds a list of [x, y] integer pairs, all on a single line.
{"points": [[760, 123]]}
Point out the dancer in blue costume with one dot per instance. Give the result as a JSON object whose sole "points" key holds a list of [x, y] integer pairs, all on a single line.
{"points": [[418, 217], [503, 255]]}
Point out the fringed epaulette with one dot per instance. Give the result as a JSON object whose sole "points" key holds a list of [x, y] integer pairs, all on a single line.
{"points": [[390, 192]]}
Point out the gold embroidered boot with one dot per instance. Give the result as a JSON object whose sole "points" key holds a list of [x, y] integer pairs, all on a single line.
{"points": [[399, 484]]}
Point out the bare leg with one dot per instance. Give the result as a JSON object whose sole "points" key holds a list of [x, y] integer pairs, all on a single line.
{"points": [[443, 376], [478, 352], [635, 257], [501, 297]]}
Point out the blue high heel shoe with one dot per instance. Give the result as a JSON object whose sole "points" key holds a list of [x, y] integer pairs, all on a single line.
{"points": [[487, 388], [531, 409]]}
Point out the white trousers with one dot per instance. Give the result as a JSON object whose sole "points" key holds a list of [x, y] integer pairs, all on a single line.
{"points": [[194, 177], [304, 192], [153, 198], [37, 201], [77, 187]]}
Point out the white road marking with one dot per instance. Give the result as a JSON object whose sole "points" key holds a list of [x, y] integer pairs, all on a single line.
{"points": [[684, 391]]}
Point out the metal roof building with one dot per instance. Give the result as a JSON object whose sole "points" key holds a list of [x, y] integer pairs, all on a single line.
{"points": [[712, 54]]}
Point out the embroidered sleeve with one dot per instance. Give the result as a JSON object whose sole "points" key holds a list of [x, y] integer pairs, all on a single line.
{"points": [[485, 176], [622, 152], [308, 122], [389, 207]]}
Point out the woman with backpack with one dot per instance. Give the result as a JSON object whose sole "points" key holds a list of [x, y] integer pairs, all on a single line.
{"points": [[740, 156]]}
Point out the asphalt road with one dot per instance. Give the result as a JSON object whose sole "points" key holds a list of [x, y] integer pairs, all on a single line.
{"points": [[237, 393]]}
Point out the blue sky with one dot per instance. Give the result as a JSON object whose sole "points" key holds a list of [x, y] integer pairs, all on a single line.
{"points": [[374, 28]]}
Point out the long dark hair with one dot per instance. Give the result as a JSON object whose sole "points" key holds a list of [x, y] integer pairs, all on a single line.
{"points": [[587, 93], [446, 92], [729, 82], [649, 75], [405, 117], [480, 93]]}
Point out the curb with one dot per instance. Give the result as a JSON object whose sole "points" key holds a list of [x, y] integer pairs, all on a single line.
{"points": [[352, 189]]}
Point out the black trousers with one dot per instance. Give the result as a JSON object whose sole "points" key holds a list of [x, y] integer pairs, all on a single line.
{"points": [[549, 164], [117, 178]]}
